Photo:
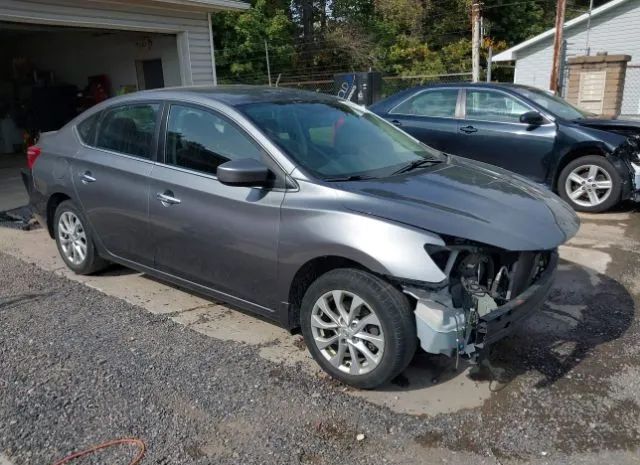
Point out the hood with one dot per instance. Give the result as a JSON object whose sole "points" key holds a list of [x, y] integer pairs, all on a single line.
{"points": [[622, 127], [468, 200]]}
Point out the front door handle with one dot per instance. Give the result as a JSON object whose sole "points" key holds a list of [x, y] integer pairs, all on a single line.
{"points": [[167, 198], [396, 122], [468, 129], [86, 177]]}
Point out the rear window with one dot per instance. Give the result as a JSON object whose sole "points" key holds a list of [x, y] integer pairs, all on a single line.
{"points": [[129, 129], [439, 103], [87, 129]]}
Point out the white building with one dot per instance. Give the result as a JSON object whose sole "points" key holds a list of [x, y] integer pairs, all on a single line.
{"points": [[73, 39], [614, 28]]}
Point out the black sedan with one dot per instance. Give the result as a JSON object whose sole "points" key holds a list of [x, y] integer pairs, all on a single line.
{"points": [[591, 163]]}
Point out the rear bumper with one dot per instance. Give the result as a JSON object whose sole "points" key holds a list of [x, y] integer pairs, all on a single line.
{"points": [[36, 202]]}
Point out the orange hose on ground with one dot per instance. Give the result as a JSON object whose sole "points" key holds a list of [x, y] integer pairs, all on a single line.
{"points": [[117, 442]]}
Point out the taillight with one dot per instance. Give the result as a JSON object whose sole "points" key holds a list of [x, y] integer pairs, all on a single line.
{"points": [[33, 153]]}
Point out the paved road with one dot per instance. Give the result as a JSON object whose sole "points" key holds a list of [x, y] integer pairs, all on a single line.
{"points": [[78, 366]]}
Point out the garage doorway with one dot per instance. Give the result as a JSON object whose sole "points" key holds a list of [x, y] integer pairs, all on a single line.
{"points": [[49, 74], [150, 74]]}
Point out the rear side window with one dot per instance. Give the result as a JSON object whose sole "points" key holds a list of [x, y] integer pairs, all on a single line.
{"points": [[439, 103], [87, 129], [489, 105], [129, 129], [201, 140]]}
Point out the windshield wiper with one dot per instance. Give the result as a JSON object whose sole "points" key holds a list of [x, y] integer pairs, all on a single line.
{"points": [[355, 177], [415, 164]]}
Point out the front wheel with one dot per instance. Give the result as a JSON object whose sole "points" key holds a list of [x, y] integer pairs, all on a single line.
{"points": [[359, 328], [590, 184]]}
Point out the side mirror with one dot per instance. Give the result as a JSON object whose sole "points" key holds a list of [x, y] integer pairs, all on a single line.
{"points": [[532, 118], [243, 172]]}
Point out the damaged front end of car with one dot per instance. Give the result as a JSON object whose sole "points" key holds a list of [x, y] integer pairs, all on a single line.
{"points": [[487, 292], [629, 153]]}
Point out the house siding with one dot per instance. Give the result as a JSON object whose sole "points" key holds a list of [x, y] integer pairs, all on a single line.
{"points": [[191, 28], [615, 31]]}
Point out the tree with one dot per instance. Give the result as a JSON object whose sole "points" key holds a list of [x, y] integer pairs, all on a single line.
{"points": [[239, 40]]}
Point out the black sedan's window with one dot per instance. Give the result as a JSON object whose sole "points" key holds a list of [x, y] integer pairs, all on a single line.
{"points": [[129, 129], [488, 105], [201, 140], [435, 103]]}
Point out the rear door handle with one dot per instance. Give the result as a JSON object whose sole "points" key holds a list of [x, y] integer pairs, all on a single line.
{"points": [[167, 198], [396, 122], [468, 129], [86, 177]]}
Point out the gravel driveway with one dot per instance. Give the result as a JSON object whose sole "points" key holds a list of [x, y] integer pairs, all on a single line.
{"points": [[78, 367]]}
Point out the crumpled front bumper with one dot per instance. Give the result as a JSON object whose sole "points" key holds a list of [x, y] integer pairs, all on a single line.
{"points": [[636, 181], [443, 329]]}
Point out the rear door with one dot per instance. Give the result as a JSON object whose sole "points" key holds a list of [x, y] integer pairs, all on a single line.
{"points": [[430, 116], [492, 132], [219, 236], [111, 178]]}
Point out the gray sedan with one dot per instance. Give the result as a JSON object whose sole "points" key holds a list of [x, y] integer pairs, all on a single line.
{"points": [[307, 210]]}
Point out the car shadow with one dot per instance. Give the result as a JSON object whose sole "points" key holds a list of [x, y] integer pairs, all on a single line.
{"points": [[584, 310], [119, 270], [627, 206]]}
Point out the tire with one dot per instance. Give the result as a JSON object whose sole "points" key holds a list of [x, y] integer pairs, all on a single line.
{"points": [[392, 327], [63, 224], [606, 172]]}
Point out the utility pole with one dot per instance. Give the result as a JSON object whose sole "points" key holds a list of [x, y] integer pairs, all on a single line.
{"points": [[475, 41], [587, 48], [266, 51], [554, 83]]}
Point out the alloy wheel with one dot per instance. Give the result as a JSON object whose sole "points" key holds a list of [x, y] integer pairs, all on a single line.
{"points": [[589, 185], [73, 239], [347, 332]]}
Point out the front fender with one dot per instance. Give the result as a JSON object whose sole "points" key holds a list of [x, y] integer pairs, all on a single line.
{"points": [[382, 246]]}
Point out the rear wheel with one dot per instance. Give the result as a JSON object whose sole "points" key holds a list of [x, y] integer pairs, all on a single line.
{"points": [[359, 328], [74, 240], [590, 184]]}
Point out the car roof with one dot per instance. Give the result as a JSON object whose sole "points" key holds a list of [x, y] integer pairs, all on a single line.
{"points": [[234, 95], [482, 85]]}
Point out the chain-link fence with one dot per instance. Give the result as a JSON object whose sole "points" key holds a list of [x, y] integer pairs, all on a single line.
{"points": [[631, 93], [393, 84]]}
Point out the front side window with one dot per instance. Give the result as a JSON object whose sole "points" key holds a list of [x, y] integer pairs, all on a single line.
{"points": [[333, 139], [435, 103], [129, 129], [87, 129], [488, 105], [553, 104], [201, 140]]}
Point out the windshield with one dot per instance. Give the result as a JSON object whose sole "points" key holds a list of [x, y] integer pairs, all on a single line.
{"points": [[337, 140], [555, 105]]}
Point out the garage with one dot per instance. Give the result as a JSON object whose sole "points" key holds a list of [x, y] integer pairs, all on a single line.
{"points": [[52, 73], [60, 57]]}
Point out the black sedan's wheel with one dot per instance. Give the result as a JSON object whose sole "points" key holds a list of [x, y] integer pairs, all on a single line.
{"points": [[590, 184], [74, 240], [359, 328]]}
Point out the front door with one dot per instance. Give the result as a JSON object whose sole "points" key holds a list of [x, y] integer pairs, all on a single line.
{"points": [[492, 132], [219, 236], [429, 116], [110, 175]]}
